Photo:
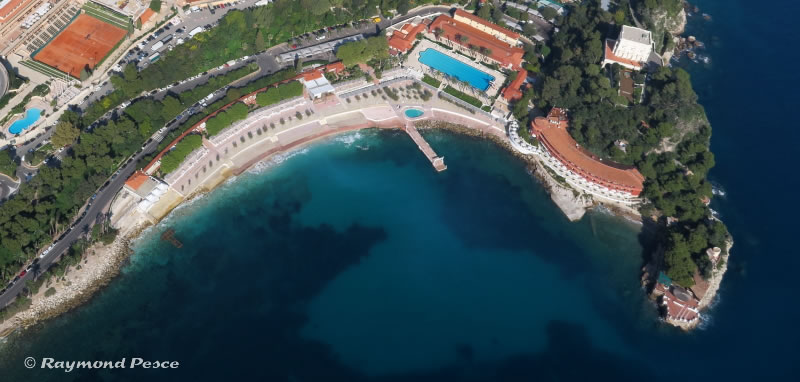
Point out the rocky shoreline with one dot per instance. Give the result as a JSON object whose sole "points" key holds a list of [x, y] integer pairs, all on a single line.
{"points": [[99, 265], [102, 263]]}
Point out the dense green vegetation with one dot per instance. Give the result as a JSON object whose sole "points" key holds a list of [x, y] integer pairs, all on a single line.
{"points": [[172, 159], [44, 207], [363, 51], [155, 5], [8, 165], [279, 93], [65, 134], [225, 118], [463, 96], [667, 134]]}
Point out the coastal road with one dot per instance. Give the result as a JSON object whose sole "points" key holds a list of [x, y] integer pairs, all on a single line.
{"points": [[95, 207], [83, 224], [4, 79], [103, 197]]}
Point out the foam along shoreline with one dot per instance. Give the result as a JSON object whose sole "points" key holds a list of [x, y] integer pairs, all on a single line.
{"points": [[236, 156]]}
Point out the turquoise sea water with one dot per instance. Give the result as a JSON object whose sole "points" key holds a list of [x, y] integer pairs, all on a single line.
{"points": [[353, 260], [31, 116], [450, 66]]}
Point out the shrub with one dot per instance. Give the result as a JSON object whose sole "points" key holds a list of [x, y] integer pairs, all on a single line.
{"points": [[173, 158], [462, 96], [279, 93]]}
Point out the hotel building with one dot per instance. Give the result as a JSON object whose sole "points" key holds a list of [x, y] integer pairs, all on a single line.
{"points": [[478, 37], [551, 131]]}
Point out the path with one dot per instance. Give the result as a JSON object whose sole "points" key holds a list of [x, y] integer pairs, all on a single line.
{"points": [[436, 161]]}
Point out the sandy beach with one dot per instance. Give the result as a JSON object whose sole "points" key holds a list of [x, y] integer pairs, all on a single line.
{"points": [[102, 263]]}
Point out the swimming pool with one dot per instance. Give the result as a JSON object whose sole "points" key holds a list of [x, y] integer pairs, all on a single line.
{"points": [[31, 116], [449, 65], [413, 113]]}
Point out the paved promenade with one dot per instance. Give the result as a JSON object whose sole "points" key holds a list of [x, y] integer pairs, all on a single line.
{"points": [[279, 128]]}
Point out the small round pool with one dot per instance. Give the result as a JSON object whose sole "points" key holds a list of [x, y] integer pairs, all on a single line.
{"points": [[413, 113], [31, 116]]}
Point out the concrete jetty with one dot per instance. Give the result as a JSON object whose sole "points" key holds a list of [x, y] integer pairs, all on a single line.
{"points": [[436, 161]]}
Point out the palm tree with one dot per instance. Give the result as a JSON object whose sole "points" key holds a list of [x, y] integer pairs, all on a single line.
{"points": [[473, 49], [437, 32]]}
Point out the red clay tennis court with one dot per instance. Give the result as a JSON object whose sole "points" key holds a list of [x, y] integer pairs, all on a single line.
{"points": [[84, 42]]}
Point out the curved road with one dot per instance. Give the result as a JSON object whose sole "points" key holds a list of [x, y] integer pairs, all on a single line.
{"points": [[4, 80], [106, 193]]}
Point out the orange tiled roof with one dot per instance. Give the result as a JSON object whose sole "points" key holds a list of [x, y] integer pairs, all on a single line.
{"points": [[512, 92], [500, 51], [10, 9], [148, 13], [552, 133], [312, 74], [336, 67], [403, 38], [609, 55], [479, 20], [137, 180]]}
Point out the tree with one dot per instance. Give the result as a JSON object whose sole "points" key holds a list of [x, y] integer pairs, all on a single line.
{"points": [[619, 16], [680, 267], [485, 12], [260, 44], [65, 134], [548, 13], [7, 164], [360, 52], [84, 73], [530, 29], [155, 5], [403, 7], [437, 32]]}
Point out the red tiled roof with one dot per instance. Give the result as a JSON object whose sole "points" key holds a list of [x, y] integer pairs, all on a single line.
{"points": [[500, 51], [402, 39], [137, 180], [512, 92], [479, 20], [148, 13], [609, 55], [312, 74], [552, 133], [11, 9], [336, 67]]}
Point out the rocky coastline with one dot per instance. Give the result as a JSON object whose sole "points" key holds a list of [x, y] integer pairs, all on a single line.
{"points": [[99, 265]]}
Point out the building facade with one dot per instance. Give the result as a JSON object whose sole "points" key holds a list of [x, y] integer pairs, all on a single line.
{"points": [[476, 42], [632, 49], [551, 132], [502, 34]]}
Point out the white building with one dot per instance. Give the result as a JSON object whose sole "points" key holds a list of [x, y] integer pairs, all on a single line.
{"points": [[632, 49]]}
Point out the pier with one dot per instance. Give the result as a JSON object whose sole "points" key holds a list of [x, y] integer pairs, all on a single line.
{"points": [[436, 161], [169, 235]]}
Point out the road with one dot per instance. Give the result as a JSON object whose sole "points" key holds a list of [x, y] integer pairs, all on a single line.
{"points": [[106, 193], [94, 208], [7, 185], [4, 80]]}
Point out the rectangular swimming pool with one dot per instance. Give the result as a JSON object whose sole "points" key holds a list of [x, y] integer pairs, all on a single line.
{"points": [[450, 66]]}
